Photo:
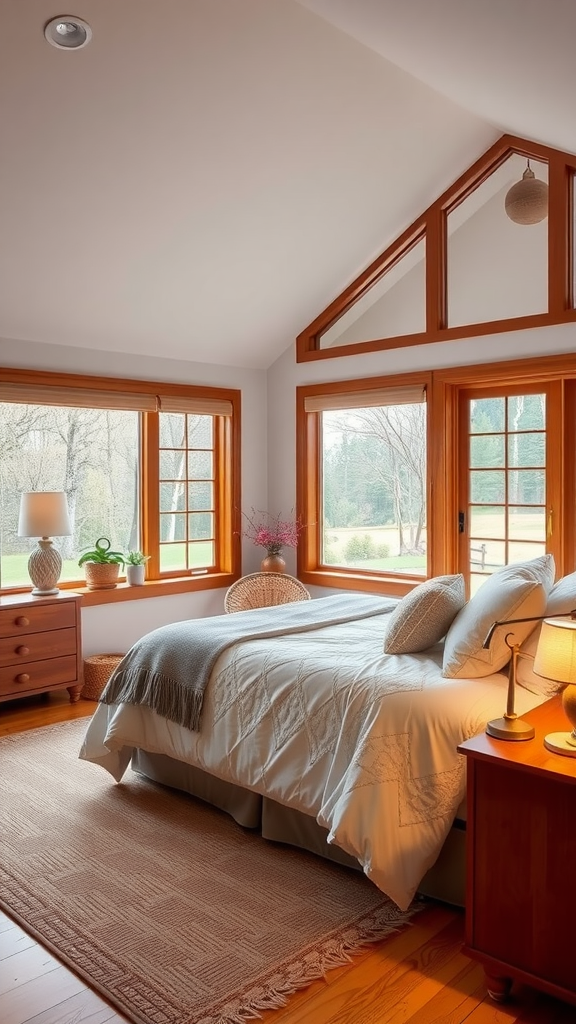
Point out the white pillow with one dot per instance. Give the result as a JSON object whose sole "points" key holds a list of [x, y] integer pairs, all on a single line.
{"points": [[424, 615], [561, 600], [515, 591]]}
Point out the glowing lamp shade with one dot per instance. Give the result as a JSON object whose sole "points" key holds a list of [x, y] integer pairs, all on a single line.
{"points": [[44, 514], [556, 659]]}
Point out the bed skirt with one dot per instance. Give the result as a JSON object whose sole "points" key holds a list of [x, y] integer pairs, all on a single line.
{"points": [[445, 881]]}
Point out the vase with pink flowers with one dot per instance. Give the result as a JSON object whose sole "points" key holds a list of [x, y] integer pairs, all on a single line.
{"points": [[273, 533]]}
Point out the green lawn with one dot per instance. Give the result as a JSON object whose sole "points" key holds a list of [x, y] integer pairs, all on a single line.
{"points": [[15, 567]]}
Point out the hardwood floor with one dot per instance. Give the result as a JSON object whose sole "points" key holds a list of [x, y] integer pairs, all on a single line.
{"points": [[419, 976]]}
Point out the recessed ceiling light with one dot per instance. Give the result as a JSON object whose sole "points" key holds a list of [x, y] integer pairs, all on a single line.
{"points": [[67, 32]]}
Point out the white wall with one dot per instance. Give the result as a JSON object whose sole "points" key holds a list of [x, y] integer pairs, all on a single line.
{"points": [[286, 374], [115, 627]]}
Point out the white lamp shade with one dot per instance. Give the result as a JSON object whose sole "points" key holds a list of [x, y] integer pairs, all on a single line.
{"points": [[44, 514], [556, 652]]}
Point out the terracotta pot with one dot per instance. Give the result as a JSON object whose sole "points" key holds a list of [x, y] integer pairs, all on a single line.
{"points": [[101, 575], [273, 563]]}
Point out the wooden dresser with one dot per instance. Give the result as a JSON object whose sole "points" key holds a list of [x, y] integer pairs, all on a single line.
{"points": [[521, 852], [40, 645]]}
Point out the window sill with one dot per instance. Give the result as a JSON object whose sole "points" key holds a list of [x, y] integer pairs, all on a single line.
{"points": [[151, 588], [155, 588], [389, 586]]}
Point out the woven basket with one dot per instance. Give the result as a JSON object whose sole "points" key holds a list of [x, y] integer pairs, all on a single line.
{"points": [[97, 671]]}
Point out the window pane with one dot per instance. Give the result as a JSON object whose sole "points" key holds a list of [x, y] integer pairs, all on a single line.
{"points": [[487, 556], [487, 450], [173, 558], [172, 527], [527, 523], [172, 430], [526, 449], [201, 554], [487, 414], [172, 465], [200, 496], [200, 526], [92, 455], [522, 551], [527, 412], [394, 305], [374, 488], [527, 486], [172, 497], [200, 432], [200, 465], [487, 522], [487, 487], [480, 225]]}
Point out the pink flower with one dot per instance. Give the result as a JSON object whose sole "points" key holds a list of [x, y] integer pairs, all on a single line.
{"points": [[272, 532]]}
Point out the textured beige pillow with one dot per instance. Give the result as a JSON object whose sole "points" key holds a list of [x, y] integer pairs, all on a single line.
{"points": [[423, 617], [516, 591], [561, 600]]}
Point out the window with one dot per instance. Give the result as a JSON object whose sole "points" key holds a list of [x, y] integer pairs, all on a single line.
{"points": [[507, 499], [150, 467], [369, 445], [423, 288], [460, 470]]}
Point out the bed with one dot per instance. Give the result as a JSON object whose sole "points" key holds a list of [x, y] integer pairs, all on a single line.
{"points": [[318, 736]]}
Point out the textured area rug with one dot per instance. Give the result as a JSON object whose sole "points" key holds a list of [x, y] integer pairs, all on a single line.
{"points": [[161, 903]]}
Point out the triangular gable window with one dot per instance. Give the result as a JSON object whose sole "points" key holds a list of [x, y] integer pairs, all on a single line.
{"points": [[465, 267]]}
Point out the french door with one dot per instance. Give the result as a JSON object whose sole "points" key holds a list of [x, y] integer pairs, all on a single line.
{"points": [[509, 477]]}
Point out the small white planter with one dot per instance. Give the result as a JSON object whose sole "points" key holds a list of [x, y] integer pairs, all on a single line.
{"points": [[135, 575]]}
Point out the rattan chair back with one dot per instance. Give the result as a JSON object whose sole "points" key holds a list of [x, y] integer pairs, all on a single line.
{"points": [[263, 589]]}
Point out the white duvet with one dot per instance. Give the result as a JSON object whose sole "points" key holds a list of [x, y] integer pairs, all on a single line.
{"points": [[326, 723]]}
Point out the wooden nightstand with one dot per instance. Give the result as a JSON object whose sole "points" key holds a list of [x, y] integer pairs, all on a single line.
{"points": [[521, 854], [40, 646]]}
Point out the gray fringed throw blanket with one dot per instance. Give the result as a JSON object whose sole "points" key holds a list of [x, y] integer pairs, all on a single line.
{"points": [[168, 669]]}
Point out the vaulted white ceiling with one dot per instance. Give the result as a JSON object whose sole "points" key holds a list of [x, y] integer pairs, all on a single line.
{"points": [[205, 176]]}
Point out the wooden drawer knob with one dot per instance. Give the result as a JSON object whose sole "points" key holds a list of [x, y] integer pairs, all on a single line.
{"points": [[22, 650], [22, 678], [22, 621]]}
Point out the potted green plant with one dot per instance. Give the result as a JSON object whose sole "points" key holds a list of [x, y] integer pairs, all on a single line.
{"points": [[136, 568], [101, 565]]}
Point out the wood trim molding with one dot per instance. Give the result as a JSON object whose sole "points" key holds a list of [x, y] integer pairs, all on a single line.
{"points": [[432, 225], [445, 472], [228, 455]]}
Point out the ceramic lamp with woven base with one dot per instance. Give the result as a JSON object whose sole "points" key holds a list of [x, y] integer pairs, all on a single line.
{"points": [[44, 514], [44, 567]]}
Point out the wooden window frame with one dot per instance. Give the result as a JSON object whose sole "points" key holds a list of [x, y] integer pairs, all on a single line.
{"points": [[308, 488], [509, 377], [553, 389], [227, 475], [432, 226], [444, 390]]}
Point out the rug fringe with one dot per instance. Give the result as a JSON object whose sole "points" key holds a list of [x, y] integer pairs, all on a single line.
{"points": [[274, 991]]}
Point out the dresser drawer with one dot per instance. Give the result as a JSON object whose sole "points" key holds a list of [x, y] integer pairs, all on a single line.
{"points": [[35, 618], [18, 680], [17, 650]]}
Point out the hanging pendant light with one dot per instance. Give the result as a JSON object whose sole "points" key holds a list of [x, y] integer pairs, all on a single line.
{"points": [[527, 201]]}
